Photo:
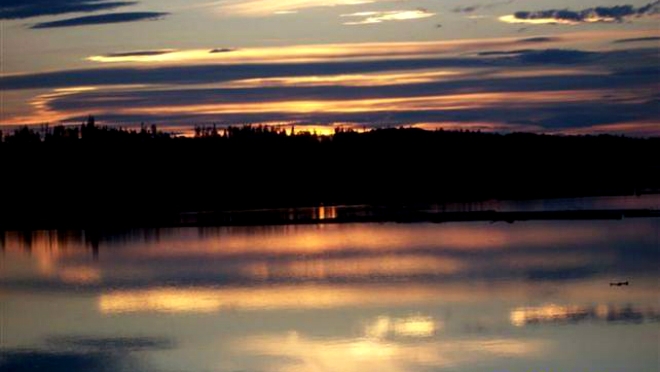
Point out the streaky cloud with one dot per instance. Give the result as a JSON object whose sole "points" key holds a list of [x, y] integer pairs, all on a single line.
{"points": [[221, 50], [556, 56], [539, 39], [380, 17], [102, 19], [218, 73], [140, 53], [473, 8], [466, 9], [544, 56], [618, 13], [20, 9], [637, 40], [516, 52], [262, 8]]}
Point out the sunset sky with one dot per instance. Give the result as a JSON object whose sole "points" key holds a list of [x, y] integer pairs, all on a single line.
{"points": [[552, 66]]}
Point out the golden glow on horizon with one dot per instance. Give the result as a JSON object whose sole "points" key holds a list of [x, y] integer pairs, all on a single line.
{"points": [[401, 104], [644, 128], [484, 127], [40, 112]]}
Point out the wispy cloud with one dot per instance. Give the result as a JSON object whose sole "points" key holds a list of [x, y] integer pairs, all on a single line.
{"points": [[466, 9], [542, 81], [540, 39], [101, 19], [473, 8], [285, 12], [260, 8], [221, 50], [547, 89], [638, 40], [140, 53], [380, 17], [323, 52], [617, 13], [19, 9]]}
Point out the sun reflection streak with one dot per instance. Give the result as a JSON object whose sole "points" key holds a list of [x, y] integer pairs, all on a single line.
{"points": [[414, 326], [282, 297], [302, 353], [205, 300]]}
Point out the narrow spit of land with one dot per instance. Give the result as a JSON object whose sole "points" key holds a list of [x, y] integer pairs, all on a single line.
{"points": [[89, 175], [399, 215]]}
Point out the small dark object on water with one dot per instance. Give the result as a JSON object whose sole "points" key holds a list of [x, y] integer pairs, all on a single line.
{"points": [[619, 284]]}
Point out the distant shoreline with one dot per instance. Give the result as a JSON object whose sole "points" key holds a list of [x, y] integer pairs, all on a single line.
{"points": [[406, 216], [363, 214], [101, 177]]}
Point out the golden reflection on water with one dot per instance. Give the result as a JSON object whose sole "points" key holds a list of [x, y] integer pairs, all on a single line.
{"points": [[307, 354], [201, 300], [80, 275], [287, 240], [390, 297], [321, 268], [553, 313], [414, 326], [336, 296], [327, 213]]}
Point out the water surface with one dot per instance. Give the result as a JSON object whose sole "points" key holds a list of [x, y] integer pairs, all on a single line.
{"points": [[531, 296]]}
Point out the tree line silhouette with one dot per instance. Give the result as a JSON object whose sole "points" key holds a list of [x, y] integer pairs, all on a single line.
{"points": [[88, 174]]}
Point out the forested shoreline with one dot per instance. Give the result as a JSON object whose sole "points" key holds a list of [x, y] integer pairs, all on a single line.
{"points": [[93, 175]]}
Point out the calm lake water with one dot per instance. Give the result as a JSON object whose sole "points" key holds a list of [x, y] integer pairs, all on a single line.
{"points": [[529, 296]]}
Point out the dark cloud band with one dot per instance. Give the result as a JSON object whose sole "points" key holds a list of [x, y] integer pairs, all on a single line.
{"points": [[218, 73], [102, 19], [140, 53], [638, 40], [20, 9], [617, 13]]}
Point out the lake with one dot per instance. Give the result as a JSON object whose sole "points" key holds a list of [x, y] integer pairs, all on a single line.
{"points": [[469, 296]]}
